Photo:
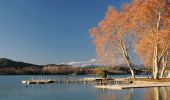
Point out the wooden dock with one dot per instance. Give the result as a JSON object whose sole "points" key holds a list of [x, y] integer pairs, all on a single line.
{"points": [[94, 81], [104, 83]]}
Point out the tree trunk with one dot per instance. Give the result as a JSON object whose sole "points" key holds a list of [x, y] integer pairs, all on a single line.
{"points": [[162, 72], [153, 68], [126, 57], [132, 72], [156, 60], [164, 64], [156, 67], [156, 74]]}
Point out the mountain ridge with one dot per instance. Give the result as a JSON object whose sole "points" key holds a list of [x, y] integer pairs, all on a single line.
{"points": [[5, 62]]}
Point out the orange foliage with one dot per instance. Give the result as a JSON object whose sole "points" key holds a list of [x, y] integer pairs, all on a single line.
{"points": [[152, 27], [111, 32], [148, 20]]}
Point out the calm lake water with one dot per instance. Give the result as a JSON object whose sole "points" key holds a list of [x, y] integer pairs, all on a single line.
{"points": [[11, 88]]}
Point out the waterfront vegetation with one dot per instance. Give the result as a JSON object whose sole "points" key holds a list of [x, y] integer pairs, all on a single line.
{"points": [[67, 70], [10, 67]]}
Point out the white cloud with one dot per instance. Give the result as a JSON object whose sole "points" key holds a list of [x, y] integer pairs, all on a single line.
{"points": [[82, 63]]}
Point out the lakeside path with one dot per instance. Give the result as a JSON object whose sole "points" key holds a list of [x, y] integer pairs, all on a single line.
{"points": [[135, 85]]}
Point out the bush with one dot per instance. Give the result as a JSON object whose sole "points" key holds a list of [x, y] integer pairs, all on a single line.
{"points": [[101, 73]]}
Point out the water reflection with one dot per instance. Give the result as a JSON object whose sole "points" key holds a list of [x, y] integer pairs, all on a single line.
{"points": [[116, 94], [157, 93], [12, 89]]}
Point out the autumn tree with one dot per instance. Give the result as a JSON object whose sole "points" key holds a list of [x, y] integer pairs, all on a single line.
{"points": [[149, 21], [114, 37], [152, 20]]}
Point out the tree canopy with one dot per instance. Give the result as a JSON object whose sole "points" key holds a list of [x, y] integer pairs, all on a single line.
{"points": [[143, 25]]}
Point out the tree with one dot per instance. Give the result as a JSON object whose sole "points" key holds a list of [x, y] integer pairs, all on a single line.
{"points": [[148, 22], [114, 37], [152, 20]]}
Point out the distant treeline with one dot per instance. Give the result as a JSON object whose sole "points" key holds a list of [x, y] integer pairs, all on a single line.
{"points": [[66, 70]]}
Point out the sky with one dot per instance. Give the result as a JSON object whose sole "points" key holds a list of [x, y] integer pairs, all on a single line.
{"points": [[50, 31]]}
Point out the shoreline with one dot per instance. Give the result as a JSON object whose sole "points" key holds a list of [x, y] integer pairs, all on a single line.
{"points": [[135, 85]]}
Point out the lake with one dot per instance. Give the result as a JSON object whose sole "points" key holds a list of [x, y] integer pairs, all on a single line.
{"points": [[11, 88]]}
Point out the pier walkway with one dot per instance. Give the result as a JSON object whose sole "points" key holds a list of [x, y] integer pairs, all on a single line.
{"points": [[95, 81]]}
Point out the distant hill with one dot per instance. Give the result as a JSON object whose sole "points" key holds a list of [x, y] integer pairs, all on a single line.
{"points": [[93, 66], [10, 67], [4, 62]]}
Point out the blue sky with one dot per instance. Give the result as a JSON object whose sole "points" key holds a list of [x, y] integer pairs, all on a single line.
{"points": [[50, 31]]}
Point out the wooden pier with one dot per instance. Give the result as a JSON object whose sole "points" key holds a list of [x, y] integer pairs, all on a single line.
{"points": [[94, 81], [104, 83]]}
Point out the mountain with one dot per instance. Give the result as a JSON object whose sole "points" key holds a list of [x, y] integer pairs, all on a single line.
{"points": [[4, 62]]}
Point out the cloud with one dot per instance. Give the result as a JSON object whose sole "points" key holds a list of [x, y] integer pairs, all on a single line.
{"points": [[82, 63]]}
